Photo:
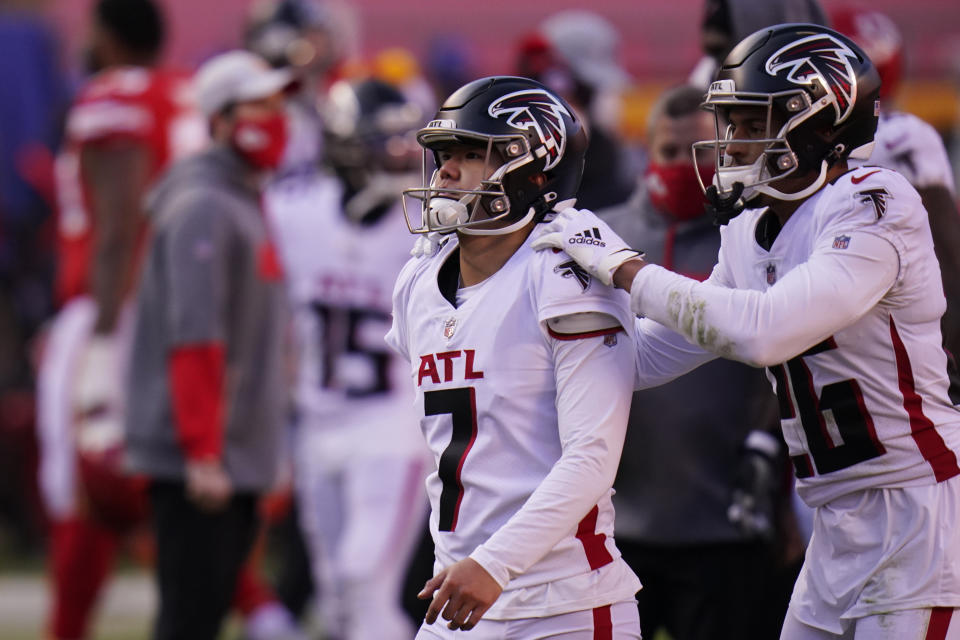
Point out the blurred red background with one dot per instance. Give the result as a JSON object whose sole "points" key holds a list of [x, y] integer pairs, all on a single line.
{"points": [[659, 39]]}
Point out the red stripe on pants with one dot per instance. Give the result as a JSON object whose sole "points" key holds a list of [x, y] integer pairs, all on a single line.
{"points": [[939, 623], [602, 623]]}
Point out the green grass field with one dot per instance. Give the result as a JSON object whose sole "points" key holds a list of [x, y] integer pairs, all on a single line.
{"points": [[123, 615], [125, 612]]}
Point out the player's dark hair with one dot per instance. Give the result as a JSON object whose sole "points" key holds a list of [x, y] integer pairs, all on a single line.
{"points": [[676, 102], [138, 25], [682, 101]]}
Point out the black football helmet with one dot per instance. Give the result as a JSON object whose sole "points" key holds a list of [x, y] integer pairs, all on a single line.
{"points": [[294, 33], [538, 135], [820, 92], [370, 143]]}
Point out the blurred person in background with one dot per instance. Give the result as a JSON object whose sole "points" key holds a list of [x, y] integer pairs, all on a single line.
{"points": [[701, 478], [310, 38], [33, 99], [360, 462], [128, 122], [727, 22], [305, 36], [301, 34], [399, 68], [206, 376], [912, 147], [574, 53], [33, 96], [449, 63]]}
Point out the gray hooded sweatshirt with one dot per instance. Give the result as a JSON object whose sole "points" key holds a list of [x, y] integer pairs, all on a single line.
{"points": [[208, 278]]}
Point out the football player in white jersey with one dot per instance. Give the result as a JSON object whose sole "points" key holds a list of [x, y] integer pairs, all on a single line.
{"points": [[912, 147], [359, 460], [523, 368], [828, 278]]}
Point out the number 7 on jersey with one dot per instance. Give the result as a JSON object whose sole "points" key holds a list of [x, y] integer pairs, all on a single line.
{"points": [[461, 404]]}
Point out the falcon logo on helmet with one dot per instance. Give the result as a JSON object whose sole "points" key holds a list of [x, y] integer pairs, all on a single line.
{"points": [[537, 109], [820, 57]]}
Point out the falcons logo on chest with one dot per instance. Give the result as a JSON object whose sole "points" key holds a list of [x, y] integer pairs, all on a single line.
{"points": [[877, 197], [538, 110], [824, 59]]}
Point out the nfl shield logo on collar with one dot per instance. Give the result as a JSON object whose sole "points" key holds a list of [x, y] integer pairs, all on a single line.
{"points": [[771, 273], [841, 242], [449, 327]]}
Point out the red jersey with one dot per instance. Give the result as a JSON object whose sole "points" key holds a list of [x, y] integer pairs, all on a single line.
{"points": [[152, 107]]}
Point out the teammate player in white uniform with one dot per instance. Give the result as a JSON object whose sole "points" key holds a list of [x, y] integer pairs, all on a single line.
{"points": [[912, 147], [829, 279], [359, 460], [523, 369]]}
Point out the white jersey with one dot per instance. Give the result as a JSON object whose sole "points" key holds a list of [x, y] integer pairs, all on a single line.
{"points": [[844, 309], [912, 147], [340, 277], [525, 425]]}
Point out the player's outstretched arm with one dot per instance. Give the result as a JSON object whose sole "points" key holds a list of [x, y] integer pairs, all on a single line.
{"points": [[461, 593], [828, 292], [591, 243]]}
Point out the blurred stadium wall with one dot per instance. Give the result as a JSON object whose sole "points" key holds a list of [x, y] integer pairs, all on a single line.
{"points": [[659, 45]]}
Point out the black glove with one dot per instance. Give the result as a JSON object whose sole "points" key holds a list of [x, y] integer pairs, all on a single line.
{"points": [[724, 208], [751, 505]]}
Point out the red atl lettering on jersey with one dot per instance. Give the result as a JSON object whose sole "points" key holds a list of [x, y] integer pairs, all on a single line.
{"points": [[429, 369]]}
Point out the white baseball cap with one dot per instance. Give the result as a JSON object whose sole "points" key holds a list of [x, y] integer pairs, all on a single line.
{"points": [[236, 76]]}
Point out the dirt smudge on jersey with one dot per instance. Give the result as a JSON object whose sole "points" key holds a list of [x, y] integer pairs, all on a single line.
{"points": [[688, 314]]}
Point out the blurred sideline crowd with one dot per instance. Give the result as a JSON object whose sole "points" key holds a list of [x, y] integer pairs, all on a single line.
{"points": [[308, 450]]}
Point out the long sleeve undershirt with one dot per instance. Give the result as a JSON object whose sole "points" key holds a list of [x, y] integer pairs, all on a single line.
{"points": [[828, 292], [594, 384]]}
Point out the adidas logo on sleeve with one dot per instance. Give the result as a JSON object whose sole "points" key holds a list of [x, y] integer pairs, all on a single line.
{"points": [[588, 236]]}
